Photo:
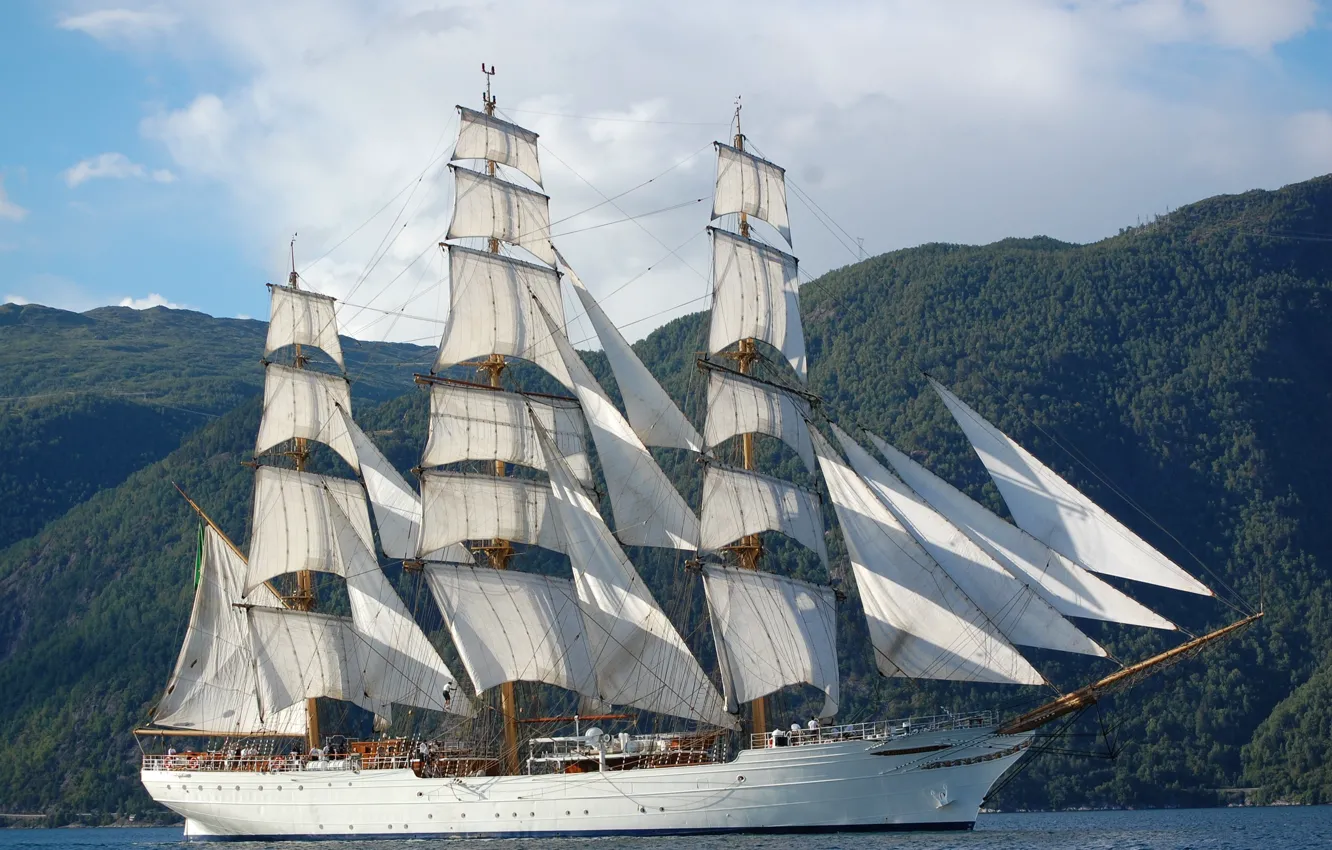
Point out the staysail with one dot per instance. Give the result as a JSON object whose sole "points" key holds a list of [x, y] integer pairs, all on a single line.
{"points": [[1072, 590], [1054, 511], [922, 625]]}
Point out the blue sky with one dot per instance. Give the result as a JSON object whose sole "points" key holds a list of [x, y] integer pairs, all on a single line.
{"points": [[165, 152]]}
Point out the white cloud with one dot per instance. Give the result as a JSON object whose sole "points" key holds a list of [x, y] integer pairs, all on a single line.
{"points": [[11, 298], [110, 24], [150, 300], [114, 166], [908, 122], [8, 209], [52, 290]]}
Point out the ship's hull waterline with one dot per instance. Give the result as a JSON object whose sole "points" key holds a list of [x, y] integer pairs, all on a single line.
{"points": [[932, 781]]}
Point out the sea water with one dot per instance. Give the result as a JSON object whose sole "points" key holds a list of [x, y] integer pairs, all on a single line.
{"points": [[1277, 828]]}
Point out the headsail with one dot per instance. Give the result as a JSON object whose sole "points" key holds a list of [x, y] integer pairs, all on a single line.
{"points": [[396, 506], [1019, 613], [1073, 591], [922, 625], [1054, 511], [640, 659], [771, 632], [654, 416], [302, 317]]}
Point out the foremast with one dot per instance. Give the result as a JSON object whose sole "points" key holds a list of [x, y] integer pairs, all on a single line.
{"points": [[755, 300]]}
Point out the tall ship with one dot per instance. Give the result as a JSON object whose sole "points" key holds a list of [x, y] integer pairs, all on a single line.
{"points": [[559, 695]]}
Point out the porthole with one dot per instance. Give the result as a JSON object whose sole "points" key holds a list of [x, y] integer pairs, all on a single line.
{"points": [[219, 787], [300, 787], [418, 793], [390, 826], [431, 817], [168, 787], [321, 826], [531, 814], [279, 787], [515, 814], [584, 811], [567, 812], [200, 787], [464, 814], [237, 787], [261, 787], [740, 778], [496, 814], [661, 809], [642, 810]]}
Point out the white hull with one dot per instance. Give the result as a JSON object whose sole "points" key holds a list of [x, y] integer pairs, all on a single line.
{"points": [[851, 785]]}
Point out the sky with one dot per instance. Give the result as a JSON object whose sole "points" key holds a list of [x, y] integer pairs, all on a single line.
{"points": [[167, 152]]}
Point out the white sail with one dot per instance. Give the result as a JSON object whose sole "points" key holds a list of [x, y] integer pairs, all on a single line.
{"points": [[755, 294], [640, 659], [492, 208], [648, 510], [302, 317], [737, 503], [921, 624], [469, 422], [741, 405], [492, 312], [654, 416], [291, 528], [213, 687], [1073, 591], [771, 632], [1054, 511], [299, 403], [482, 136], [401, 665], [1020, 614], [396, 506], [457, 507], [750, 185], [512, 626], [300, 655]]}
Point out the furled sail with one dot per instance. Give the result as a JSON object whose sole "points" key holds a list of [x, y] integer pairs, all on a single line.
{"points": [[648, 510], [489, 207], [771, 632], [396, 506], [1054, 511], [300, 655], [212, 688], [750, 185], [737, 503], [299, 403], [640, 659], [921, 624], [401, 665], [755, 294], [458, 506], [491, 311], [292, 524], [472, 422], [741, 405], [511, 626], [654, 416], [483, 136], [302, 317], [1073, 591], [1020, 614]]}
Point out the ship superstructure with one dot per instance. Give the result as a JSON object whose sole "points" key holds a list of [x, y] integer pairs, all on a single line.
{"points": [[526, 561]]}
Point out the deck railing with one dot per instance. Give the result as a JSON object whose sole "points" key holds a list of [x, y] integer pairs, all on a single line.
{"points": [[876, 730]]}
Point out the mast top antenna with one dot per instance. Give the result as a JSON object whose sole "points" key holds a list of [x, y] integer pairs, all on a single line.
{"points": [[488, 99], [739, 136], [291, 278]]}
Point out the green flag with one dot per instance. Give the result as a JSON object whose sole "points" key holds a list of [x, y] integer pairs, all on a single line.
{"points": [[198, 557]]}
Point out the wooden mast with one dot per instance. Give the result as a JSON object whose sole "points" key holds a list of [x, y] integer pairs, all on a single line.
{"points": [[749, 548], [304, 597], [500, 551]]}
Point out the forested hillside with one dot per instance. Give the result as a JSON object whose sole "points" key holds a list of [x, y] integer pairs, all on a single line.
{"points": [[1178, 373]]}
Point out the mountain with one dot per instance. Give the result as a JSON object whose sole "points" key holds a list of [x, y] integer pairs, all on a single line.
{"points": [[1177, 372]]}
